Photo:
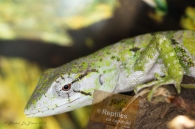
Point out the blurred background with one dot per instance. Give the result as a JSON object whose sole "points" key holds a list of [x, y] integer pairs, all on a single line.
{"points": [[40, 34]]}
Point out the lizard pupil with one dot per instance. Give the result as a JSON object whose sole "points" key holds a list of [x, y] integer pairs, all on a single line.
{"points": [[66, 87]]}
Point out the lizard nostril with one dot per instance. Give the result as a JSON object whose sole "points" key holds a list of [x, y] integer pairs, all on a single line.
{"points": [[66, 87]]}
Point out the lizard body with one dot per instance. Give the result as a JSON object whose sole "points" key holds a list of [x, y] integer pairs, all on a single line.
{"points": [[128, 65]]}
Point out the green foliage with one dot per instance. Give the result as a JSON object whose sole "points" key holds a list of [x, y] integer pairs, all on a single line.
{"points": [[49, 20], [188, 20]]}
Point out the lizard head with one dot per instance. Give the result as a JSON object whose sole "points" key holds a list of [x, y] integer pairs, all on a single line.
{"points": [[61, 90]]}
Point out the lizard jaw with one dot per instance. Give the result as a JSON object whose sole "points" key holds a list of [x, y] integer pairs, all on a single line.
{"points": [[58, 107]]}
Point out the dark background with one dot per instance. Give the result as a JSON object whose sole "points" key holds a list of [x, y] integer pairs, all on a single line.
{"points": [[129, 20]]}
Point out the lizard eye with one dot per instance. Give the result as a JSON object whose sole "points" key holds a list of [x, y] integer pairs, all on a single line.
{"points": [[66, 87]]}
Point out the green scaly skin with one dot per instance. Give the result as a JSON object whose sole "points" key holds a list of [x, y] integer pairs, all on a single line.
{"points": [[132, 64]]}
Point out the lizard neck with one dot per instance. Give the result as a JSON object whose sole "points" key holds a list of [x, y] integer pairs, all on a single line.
{"points": [[127, 82]]}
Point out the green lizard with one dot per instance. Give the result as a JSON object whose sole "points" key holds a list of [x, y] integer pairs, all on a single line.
{"points": [[132, 64]]}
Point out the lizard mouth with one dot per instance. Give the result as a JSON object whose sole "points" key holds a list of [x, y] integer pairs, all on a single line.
{"points": [[54, 108]]}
